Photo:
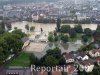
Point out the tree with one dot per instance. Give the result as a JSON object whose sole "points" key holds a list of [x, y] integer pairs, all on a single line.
{"points": [[72, 33], [2, 31], [58, 24], [32, 28], [50, 61], [85, 38], [97, 35], [55, 38], [2, 56], [56, 52], [10, 43], [4, 45], [98, 27], [34, 60], [2, 27], [62, 61], [78, 29], [55, 33], [88, 31], [13, 43], [41, 30], [65, 28], [64, 38], [50, 38], [43, 20], [27, 27], [53, 57], [19, 32], [15, 28]]}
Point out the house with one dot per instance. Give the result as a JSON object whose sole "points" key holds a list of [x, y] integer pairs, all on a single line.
{"points": [[98, 60], [82, 56], [71, 70], [86, 65], [94, 53], [69, 58]]}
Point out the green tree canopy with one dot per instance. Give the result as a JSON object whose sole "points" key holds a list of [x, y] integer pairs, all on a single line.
{"points": [[34, 60], [72, 33], [65, 28], [50, 38], [88, 31], [2, 55], [50, 61], [85, 38], [58, 24], [98, 27], [27, 27], [78, 29], [64, 38], [56, 52], [19, 32], [32, 28]]}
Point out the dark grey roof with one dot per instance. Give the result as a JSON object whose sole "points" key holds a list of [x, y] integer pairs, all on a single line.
{"points": [[20, 71]]}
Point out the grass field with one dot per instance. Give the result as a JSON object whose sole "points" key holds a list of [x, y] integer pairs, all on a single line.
{"points": [[78, 37], [22, 60]]}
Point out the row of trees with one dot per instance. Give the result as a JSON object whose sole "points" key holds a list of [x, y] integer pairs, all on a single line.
{"points": [[29, 28], [48, 20]]}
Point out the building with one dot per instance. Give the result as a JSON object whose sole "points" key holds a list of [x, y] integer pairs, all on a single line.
{"points": [[82, 56], [69, 58], [98, 60], [86, 65], [94, 53], [18, 71]]}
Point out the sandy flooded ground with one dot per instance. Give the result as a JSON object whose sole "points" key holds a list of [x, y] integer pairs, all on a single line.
{"points": [[36, 47], [39, 49]]}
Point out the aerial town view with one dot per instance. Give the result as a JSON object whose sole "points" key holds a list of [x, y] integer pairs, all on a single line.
{"points": [[49, 37]]}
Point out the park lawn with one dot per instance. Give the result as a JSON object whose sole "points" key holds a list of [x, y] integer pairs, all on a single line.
{"points": [[22, 60], [78, 37]]}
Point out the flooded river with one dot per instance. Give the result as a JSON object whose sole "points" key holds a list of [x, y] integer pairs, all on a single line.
{"points": [[47, 27]]}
